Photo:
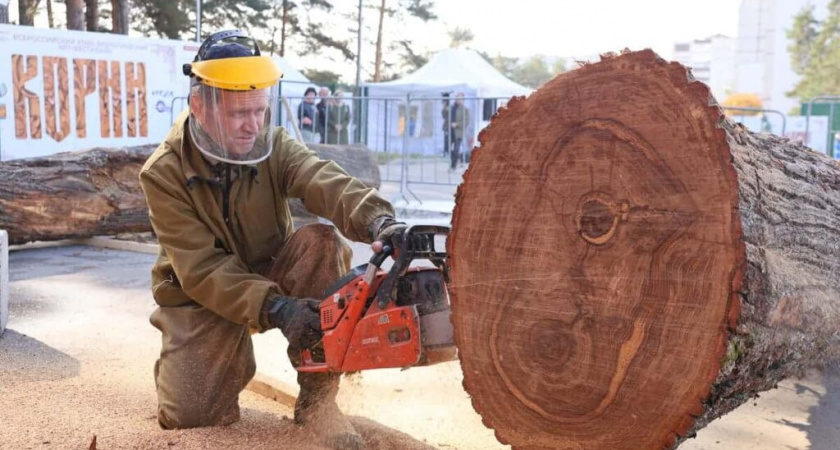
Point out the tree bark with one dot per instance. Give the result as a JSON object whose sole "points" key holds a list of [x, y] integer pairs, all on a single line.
{"points": [[628, 264], [74, 15], [50, 17], [97, 192], [377, 69], [4, 12], [92, 15], [285, 18], [119, 16], [26, 11]]}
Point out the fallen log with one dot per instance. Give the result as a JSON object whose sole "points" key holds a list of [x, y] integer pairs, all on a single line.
{"points": [[96, 192], [628, 264]]}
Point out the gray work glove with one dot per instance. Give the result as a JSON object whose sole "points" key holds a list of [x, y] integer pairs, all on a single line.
{"points": [[298, 319], [388, 231]]}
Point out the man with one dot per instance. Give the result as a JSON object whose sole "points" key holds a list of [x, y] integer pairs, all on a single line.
{"points": [[323, 93], [230, 261], [460, 125]]}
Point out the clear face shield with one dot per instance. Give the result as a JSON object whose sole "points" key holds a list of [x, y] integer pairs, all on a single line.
{"points": [[233, 126]]}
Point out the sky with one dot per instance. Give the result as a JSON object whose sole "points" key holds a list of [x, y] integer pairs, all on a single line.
{"points": [[586, 27], [564, 28], [558, 28]]}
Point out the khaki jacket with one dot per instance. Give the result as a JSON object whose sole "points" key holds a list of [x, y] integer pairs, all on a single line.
{"points": [[218, 264]]}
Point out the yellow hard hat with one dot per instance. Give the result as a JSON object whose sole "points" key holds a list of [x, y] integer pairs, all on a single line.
{"points": [[231, 60]]}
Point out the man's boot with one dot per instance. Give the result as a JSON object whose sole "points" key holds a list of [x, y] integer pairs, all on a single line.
{"points": [[316, 409]]}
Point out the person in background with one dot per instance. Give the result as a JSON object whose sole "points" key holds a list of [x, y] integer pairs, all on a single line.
{"points": [[446, 114], [308, 116], [323, 93], [338, 120], [460, 125]]}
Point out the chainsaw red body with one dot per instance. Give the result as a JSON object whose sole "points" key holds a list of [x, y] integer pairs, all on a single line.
{"points": [[373, 319]]}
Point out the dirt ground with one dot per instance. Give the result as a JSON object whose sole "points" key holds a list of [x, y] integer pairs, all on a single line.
{"points": [[76, 362]]}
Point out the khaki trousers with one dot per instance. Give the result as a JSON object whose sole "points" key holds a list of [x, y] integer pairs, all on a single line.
{"points": [[206, 361]]}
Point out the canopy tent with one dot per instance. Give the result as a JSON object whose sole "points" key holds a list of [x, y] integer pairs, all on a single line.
{"points": [[292, 86], [294, 82], [449, 72]]}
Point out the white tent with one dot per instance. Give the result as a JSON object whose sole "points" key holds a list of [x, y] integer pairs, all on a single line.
{"points": [[294, 82], [449, 72], [292, 86]]}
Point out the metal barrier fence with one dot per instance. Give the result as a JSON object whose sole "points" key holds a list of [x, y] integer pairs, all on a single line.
{"points": [[415, 140], [831, 138], [371, 121], [440, 136], [759, 111]]}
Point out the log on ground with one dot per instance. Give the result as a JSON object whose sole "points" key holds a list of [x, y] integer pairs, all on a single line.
{"points": [[628, 264], [96, 192]]}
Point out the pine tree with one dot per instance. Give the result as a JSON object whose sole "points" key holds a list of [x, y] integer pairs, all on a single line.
{"points": [[815, 52]]}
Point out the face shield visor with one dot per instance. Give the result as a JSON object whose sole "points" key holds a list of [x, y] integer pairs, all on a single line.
{"points": [[230, 126], [233, 99]]}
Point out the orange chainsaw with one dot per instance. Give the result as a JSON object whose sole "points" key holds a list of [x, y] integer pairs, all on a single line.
{"points": [[373, 319]]}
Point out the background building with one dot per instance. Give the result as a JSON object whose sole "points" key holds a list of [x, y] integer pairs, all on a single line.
{"points": [[712, 61]]}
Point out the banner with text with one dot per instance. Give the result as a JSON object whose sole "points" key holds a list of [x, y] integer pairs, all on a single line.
{"points": [[69, 90]]}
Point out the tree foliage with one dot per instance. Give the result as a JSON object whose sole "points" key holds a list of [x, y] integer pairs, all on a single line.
{"points": [[460, 37], [743, 100], [815, 52], [176, 19], [302, 27], [532, 71], [398, 11], [322, 77]]}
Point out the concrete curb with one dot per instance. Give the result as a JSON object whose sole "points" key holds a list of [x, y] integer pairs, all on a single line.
{"points": [[98, 241], [116, 244]]}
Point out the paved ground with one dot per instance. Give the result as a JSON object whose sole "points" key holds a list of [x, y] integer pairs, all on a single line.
{"points": [[76, 362]]}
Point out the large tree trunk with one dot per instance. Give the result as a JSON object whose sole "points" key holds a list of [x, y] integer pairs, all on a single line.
{"points": [[50, 17], [75, 17], [97, 192], [92, 15], [628, 264], [119, 16], [4, 11], [26, 11], [377, 66], [284, 18]]}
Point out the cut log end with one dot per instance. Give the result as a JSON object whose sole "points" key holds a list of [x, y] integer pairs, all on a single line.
{"points": [[598, 259]]}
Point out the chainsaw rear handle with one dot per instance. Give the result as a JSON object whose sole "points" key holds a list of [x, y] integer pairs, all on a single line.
{"points": [[378, 258], [410, 250]]}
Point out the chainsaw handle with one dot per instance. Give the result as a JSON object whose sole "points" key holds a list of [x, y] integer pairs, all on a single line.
{"points": [[409, 252], [378, 258]]}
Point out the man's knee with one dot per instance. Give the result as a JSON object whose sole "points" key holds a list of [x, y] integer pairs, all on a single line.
{"points": [[326, 237], [319, 232], [189, 416], [188, 411]]}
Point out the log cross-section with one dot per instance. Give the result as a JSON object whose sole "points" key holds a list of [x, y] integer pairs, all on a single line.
{"points": [[628, 264]]}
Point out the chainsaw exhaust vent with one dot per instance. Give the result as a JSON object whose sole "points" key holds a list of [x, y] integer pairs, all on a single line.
{"points": [[4, 280]]}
